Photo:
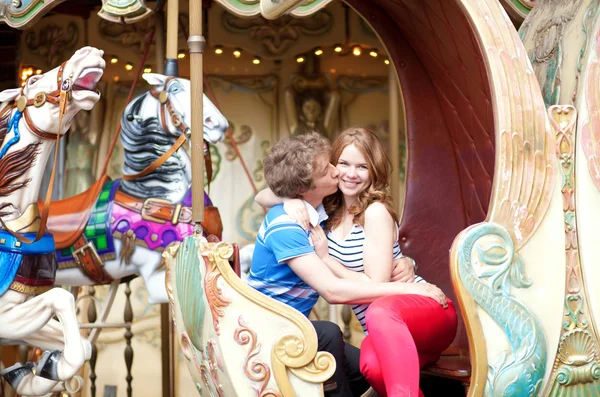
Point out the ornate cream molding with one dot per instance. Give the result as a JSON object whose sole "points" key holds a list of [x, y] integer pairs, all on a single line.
{"points": [[576, 368], [295, 350], [256, 370]]}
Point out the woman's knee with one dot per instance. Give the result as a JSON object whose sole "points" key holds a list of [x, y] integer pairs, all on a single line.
{"points": [[369, 363]]}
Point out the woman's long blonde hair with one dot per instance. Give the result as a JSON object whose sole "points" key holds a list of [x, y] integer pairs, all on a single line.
{"points": [[380, 169]]}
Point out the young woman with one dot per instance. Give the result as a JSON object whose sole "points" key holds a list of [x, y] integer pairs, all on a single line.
{"points": [[404, 332]]}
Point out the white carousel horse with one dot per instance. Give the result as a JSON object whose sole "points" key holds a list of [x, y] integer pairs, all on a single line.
{"points": [[147, 211], [28, 133]]}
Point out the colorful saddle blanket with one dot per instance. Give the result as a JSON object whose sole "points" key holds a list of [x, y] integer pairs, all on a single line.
{"points": [[110, 219], [97, 230]]}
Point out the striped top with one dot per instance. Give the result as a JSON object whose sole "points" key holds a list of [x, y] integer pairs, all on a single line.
{"points": [[349, 252], [280, 239]]}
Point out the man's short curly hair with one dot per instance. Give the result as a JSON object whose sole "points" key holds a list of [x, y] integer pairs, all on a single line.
{"points": [[289, 165]]}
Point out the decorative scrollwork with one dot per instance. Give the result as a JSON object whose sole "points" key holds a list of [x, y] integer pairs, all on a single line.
{"points": [[129, 36], [240, 135], [255, 370], [214, 295], [488, 277], [362, 85], [53, 42], [211, 363], [578, 358], [278, 35]]}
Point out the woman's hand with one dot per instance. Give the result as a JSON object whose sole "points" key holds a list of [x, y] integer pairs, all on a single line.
{"points": [[296, 209], [403, 270], [429, 290], [319, 239]]}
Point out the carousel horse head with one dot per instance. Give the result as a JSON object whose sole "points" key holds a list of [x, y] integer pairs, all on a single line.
{"points": [[175, 93], [75, 79]]}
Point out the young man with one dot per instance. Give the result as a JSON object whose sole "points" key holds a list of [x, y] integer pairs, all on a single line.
{"points": [[285, 265]]}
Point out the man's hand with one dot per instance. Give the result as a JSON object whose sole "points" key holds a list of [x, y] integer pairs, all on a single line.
{"points": [[428, 290], [403, 270], [319, 239], [296, 209]]}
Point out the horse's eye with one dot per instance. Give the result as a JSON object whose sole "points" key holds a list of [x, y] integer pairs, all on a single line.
{"points": [[33, 80]]}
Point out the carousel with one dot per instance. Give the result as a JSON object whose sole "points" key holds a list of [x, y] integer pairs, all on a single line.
{"points": [[481, 104]]}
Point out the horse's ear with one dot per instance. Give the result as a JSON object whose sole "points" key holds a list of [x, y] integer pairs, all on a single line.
{"points": [[9, 95], [155, 79]]}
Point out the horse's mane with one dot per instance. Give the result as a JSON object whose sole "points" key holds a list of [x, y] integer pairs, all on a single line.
{"points": [[4, 119], [15, 164], [144, 141]]}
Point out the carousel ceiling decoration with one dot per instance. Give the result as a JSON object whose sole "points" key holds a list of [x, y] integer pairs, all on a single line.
{"points": [[22, 14], [278, 35], [53, 43], [272, 9], [124, 11], [129, 36]]}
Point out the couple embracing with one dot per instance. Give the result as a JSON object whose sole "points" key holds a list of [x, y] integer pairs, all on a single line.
{"points": [[332, 232]]}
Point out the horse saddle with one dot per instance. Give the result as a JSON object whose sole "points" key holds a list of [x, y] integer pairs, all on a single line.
{"points": [[68, 218]]}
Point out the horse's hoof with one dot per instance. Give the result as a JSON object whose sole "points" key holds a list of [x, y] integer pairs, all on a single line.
{"points": [[15, 374], [46, 367]]}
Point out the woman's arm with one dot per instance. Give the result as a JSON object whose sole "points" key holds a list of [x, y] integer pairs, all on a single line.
{"points": [[267, 199], [380, 235], [295, 208]]}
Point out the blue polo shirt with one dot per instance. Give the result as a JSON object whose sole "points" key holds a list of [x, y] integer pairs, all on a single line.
{"points": [[280, 239]]}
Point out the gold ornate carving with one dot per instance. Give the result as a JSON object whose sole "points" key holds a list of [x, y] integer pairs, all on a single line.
{"points": [[53, 42], [214, 295], [577, 362], [277, 36], [170, 253], [256, 370], [28, 289]]}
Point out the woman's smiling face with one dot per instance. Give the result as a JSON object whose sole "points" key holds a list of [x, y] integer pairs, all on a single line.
{"points": [[354, 174]]}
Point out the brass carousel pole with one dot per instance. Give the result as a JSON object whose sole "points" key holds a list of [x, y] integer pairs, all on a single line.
{"points": [[171, 64], [171, 68], [196, 44]]}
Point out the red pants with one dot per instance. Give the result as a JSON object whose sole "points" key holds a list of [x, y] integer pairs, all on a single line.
{"points": [[406, 332]]}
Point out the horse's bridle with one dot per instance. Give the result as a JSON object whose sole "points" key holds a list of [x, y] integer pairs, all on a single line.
{"points": [[166, 106], [59, 97], [178, 121]]}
